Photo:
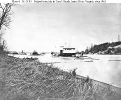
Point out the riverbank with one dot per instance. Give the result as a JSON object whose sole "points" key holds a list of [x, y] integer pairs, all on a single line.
{"points": [[26, 79]]}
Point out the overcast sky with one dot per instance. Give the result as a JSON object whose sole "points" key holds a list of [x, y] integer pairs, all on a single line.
{"points": [[44, 26]]}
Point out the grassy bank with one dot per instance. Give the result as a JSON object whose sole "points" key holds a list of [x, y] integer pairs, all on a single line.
{"points": [[28, 79]]}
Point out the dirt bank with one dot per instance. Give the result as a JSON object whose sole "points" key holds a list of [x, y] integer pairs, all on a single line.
{"points": [[28, 79]]}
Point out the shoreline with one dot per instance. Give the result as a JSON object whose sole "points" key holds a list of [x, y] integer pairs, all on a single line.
{"points": [[49, 74]]}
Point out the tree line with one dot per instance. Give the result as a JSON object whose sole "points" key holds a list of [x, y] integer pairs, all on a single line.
{"points": [[104, 47]]}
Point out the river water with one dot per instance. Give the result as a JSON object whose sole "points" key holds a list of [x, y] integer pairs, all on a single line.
{"points": [[105, 68]]}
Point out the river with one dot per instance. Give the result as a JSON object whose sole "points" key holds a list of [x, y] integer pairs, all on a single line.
{"points": [[105, 68]]}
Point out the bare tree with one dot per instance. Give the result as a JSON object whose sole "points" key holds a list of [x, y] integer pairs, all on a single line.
{"points": [[5, 18]]}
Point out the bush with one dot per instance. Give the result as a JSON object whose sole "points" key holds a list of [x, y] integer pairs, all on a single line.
{"points": [[2, 51], [35, 53]]}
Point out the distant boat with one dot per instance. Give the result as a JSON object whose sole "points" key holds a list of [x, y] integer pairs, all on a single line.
{"points": [[67, 52], [22, 53], [14, 52]]}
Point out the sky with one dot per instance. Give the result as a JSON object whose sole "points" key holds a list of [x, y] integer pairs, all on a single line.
{"points": [[47, 26]]}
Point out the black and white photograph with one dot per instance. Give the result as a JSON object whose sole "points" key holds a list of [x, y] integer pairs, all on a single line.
{"points": [[60, 51]]}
